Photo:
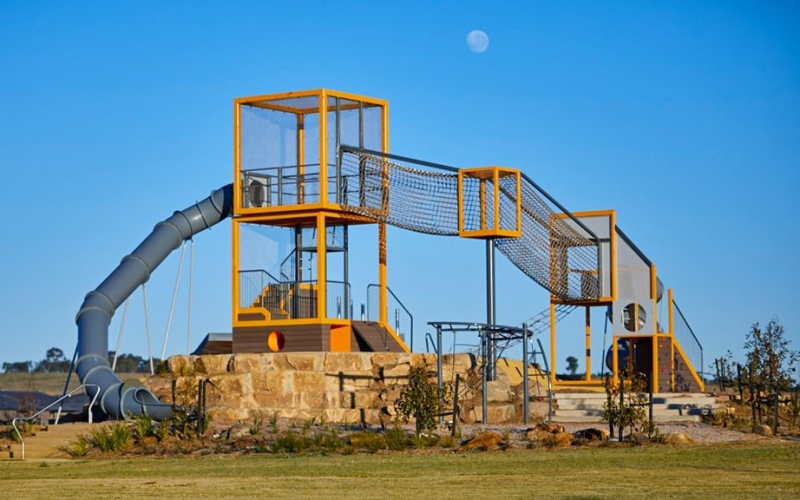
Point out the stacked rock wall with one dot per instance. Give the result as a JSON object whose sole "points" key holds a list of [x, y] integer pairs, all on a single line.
{"points": [[337, 387]]}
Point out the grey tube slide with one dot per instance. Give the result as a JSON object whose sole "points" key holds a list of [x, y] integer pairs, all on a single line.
{"points": [[117, 399]]}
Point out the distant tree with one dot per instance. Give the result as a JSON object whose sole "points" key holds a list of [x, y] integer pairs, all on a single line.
{"points": [[53, 362], [18, 367], [129, 363], [770, 364], [572, 365]]}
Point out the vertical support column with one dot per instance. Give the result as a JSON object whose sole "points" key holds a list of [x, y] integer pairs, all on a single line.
{"points": [[323, 147], [301, 158], [322, 273], [490, 305], [440, 367], [235, 271], [525, 379], [382, 279], [588, 376], [615, 358], [346, 270], [654, 370], [484, 374]]}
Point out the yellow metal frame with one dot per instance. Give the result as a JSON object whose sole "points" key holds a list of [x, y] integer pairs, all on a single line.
{"points": [[488, 175], [317, 214]]}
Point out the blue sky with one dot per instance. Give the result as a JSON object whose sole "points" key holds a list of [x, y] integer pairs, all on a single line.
{"points": [[682, 116]]}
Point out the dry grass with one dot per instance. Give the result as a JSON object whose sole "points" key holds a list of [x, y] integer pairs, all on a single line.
{"points": [[721, 471], [48, 383]]}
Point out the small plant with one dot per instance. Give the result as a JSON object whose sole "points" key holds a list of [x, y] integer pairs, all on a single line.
{"points": [[142, 428], [369, 441], [113, 438], [396, 439], [290, 442], [273, 422], [258, 422], [421, 399], [79, 448]]}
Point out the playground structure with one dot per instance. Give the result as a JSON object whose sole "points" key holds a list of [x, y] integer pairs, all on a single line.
{"points": [[311, 164]]}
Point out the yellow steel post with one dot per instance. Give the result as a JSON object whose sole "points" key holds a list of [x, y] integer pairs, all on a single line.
{"points": [[588, 376], [237, 155], [615, 359], [322, 276], [655, 363], [301, 155], [382, 279], [613, 244], [496, 180], [519, 201], [382, 266], [483, 203], [235, 271], [323, 147]]}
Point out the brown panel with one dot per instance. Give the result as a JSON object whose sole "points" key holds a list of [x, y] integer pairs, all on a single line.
{"points": [[299, 338]]}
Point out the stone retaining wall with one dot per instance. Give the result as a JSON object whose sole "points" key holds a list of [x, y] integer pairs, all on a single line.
{"points": [[337, 387]]}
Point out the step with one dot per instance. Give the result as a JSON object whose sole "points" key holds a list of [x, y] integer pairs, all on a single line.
{"points": [[48, 440], [597, 416]]}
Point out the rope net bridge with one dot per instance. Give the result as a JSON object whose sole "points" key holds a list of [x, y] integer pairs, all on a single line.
{"points": [[426, 200]]}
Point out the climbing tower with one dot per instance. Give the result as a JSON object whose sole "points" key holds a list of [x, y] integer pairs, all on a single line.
{"points": [[659, 344], [287, 175]]}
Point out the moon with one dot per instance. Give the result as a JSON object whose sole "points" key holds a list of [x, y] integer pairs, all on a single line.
{"points": [[477, 41]]}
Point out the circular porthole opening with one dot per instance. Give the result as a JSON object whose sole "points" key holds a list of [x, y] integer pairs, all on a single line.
{"points": [[276, 341], [634, 317]]}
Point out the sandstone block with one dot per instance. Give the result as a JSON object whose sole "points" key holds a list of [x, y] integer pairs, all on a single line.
{"points": [[306, 361], [396, 373], [274, 399], [308, 381], [232, 383], [347, 363], [495, 414], [498, 391], [180, 365], [215, 364], [247, 363]]}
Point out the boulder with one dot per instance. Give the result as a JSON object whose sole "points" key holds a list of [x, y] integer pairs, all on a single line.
{"points": [[484, 441], [592, 434], [498, 391], [762, 430], [677, 438]]}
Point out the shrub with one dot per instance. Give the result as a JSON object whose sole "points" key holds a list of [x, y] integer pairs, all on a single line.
{"points": [[420, 399]]}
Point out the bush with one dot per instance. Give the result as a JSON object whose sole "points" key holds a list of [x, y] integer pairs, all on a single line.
{"points": [[420, 399], [113, 438]]}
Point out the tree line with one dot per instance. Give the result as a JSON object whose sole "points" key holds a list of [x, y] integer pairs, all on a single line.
{"points": [[55, 362]]}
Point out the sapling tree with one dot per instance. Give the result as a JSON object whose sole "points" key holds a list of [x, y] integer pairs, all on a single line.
{"points": [[770, 364]]}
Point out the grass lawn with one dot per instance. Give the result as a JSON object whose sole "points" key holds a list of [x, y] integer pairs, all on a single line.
{"points": [[720, 471]]}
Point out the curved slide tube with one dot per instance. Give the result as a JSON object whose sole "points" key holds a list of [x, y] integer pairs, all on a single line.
{"points": [[117, 399]]}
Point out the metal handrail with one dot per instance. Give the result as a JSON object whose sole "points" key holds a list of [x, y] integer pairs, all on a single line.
{"points": [[696, 340], [68, 395], [403, 306]]}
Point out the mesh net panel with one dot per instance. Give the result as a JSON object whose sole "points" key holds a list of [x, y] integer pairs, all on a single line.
{"points": [[426, 201]]}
